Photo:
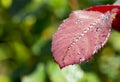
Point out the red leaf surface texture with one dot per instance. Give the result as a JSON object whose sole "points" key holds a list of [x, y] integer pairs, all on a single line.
{"points": [[81, 35]]}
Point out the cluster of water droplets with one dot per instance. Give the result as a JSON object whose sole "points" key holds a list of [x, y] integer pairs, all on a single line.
{"points": [[80, 35], [78, 21]]}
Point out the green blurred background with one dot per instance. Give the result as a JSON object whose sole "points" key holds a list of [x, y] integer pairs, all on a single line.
{"points": [[26, 29]]}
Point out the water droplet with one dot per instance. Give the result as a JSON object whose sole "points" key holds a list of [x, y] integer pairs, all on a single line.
{"points": [[85, 31], [97, 29], [94, 51], [91, 25], [68, 48], [73, 43], [64, 20], [76, 40], [79, 36], [82, 59], [88, 28], [78, 21], [78, 53], [61, 25], [82, 34]]}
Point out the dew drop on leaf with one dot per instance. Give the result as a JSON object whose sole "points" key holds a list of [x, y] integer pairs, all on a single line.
{"points": [[82, 59]]}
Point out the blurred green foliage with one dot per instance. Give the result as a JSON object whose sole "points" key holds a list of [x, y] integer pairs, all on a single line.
{"points": [[26, 29]]}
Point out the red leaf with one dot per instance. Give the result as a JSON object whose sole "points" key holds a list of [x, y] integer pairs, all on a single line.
{"points": [[80, 36]]}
